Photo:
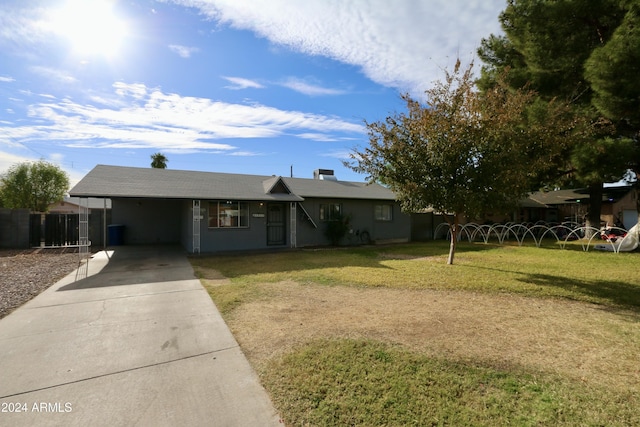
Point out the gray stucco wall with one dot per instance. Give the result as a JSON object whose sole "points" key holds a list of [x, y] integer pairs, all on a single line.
{"points": [[186, 225], [233, 239], [149, 221], [97, 230], [14, 228], [362, 217], [423, 226]]}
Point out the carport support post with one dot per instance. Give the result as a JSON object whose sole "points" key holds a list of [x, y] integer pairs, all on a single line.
{"points": [[104, 223]]}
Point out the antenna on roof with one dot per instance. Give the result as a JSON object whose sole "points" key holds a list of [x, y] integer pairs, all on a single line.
{"points": [[291, 171]]}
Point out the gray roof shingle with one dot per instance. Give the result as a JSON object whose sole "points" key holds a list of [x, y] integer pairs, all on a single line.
{"points": [[121, 181]]}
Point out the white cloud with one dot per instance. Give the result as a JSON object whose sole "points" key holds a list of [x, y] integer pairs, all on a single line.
{"points": [[137, 116], [53, 74], [403, 44], [7, 79], [318, 137], [183, 51], [309, 88], [56, 158], [135, 90], [22, 26], [242, 83], [245, 153], [338, 154], [8, 159]]}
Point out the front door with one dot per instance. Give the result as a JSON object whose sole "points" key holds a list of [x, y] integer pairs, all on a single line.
{"points": [[276, 224]]}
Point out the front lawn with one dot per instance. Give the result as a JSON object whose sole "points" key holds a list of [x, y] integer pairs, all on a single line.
{"points": [[597, 277], [391, 335]]}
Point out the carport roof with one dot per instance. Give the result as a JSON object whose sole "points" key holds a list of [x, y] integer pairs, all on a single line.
{"points": [[130, 182]]}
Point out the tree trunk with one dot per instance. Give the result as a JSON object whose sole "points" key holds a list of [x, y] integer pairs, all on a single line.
{"points": [[595, 207], [453, 227], [638, 204]]}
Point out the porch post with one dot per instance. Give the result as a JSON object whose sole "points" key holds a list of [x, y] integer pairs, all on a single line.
{"points": [[196, 227], [292, 225]]}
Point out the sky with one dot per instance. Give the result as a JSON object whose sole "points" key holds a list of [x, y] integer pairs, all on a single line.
{"points": [[265, 87]]}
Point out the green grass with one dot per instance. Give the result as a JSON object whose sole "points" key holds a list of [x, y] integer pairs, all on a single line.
{"points": [[364, 383], [336, 382], [597, 277]]}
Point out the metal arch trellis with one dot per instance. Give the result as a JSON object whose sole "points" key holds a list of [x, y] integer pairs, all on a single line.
{"points": [[562, 233]]}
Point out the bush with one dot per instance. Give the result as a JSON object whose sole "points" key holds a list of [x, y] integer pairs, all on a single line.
{"points": [[337, 228]]}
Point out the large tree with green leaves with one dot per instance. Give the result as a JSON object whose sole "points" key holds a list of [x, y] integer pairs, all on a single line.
{"points": [[33, 185], [462, 152], [581, 51]]}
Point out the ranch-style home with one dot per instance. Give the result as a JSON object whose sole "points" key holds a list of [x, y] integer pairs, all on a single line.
{"points": [[212, 212]]}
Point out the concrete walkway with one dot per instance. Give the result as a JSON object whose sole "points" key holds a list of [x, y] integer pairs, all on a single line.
{"points": [[135, 342]]}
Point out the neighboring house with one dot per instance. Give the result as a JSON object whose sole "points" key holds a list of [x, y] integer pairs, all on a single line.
{"points": [[619, 205], [71, 205], [210, 212]]}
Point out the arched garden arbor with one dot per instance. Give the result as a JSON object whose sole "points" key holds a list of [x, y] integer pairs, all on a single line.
{"points": [[537, 232]]}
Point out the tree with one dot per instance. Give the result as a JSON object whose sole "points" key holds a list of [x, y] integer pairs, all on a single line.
{"points": [[34, 186], [547, 46], [159, 161], [463, 152], [612, 70]]}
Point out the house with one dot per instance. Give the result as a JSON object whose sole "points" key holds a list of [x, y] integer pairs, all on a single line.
{"points": [[211, 212], [619, 206]]}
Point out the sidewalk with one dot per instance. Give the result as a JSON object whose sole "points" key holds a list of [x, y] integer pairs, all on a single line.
{"points": [[136, 342]]}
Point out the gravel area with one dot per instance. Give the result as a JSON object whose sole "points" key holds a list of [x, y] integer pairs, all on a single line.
{"points": [[26, 273]]}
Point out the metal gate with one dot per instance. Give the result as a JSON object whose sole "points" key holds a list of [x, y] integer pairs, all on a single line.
{"points": [[54, 230], [276, 225]]}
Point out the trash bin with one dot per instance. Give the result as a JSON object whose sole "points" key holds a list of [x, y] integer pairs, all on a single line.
{"points": [[116, 234]]}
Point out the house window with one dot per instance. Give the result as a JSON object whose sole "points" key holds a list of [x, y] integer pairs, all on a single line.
{"points": [[383, 212], [228, 214], [330, 212]]}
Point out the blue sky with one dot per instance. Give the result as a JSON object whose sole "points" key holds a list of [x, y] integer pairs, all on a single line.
{"points": [[254, 86]]}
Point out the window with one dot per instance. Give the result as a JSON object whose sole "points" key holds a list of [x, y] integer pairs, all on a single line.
{"points": [[330, 212], [383, 212], [228, 214]]}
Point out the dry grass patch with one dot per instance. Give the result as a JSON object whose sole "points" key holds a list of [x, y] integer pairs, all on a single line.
{"points": [[546, 324], [581, 341]]}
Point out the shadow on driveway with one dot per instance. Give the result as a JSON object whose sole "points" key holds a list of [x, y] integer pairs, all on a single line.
{"points": [[133, 265]]}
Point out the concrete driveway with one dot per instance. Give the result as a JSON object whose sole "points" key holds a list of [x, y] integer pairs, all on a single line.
{"points": [[132, 340]]}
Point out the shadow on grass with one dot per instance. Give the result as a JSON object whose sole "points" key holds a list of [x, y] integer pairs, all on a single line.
{"points": [[234, 265], [598, 291], [615, 292]]}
